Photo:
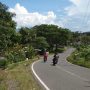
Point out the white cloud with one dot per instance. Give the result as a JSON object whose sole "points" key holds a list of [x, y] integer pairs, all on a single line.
{"points": [[78, 15], [19, 9], [25, 18], [78, 7]]}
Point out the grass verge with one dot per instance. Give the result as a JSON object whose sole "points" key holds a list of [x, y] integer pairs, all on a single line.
{"points": [[18, 76], [78, 60]]}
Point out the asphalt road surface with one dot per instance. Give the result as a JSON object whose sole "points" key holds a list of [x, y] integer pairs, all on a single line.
{"points": [[63, 76]]}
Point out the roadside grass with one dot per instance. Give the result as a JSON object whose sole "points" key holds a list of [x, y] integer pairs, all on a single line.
{"points": [[79, 61], [2, 80], [18, 76]]}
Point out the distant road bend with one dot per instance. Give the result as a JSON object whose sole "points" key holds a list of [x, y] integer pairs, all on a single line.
{"points": [[63, 76]]}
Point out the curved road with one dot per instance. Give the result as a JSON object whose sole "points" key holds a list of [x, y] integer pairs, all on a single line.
{"points": [[63, 76]]}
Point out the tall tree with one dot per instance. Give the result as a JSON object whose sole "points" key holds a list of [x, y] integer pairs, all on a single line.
{"points": [[54, 35], [7, 27], [40, 42], [27, 35], [85, 40]]}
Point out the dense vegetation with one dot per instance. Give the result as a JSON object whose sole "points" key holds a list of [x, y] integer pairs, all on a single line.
{"points": [[16, 46], [81, 56]]}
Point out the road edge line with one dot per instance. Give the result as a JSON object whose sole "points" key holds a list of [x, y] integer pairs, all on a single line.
{"points": [[39, 79]]}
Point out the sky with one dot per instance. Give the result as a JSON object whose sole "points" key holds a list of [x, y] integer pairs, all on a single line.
{"points": [[71, 14]]}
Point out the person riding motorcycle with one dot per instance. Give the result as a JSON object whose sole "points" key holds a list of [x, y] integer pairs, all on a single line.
{"points": [[45, 56], [55, 59]]}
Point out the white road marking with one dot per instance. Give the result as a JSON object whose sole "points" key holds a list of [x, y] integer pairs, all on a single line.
{"points": [[32, 67], [73, 74]]}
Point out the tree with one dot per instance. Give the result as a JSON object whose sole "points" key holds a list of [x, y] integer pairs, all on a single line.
{"points": [[85, 40], [15, 38], [7, 27], [76, 36], [55, 36], [40, 42], [27, 35]]}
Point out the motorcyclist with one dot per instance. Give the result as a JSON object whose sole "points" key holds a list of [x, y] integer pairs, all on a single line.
{"points": [[45, 56], [55, 59]]}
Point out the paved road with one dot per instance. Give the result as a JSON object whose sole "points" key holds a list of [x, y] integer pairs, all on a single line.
{"points": [[63, 76]]}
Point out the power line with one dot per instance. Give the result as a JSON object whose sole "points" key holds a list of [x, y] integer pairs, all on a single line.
{"points": [[86, 16]]}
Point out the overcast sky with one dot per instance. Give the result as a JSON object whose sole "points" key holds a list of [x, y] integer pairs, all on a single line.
{"points": [[72, 14]]}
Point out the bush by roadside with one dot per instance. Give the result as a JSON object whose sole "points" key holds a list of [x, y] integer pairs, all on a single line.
{"points": [[81, 56], [61, 50], [17, 54], [3, 63]]}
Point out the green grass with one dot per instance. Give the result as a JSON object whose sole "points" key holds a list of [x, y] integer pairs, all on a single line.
{"points": [[18, 77], [2, 80], [78, 61]]}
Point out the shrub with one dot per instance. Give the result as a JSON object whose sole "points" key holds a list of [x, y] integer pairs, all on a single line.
{"points": [[30, 52], [3, 63], [14, 57], [19, 56], [81, 56], [60, 50], [9, 57]]}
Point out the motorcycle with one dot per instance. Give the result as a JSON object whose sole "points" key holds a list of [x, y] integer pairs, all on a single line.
{"points": [[45, 59], [55, 59]]}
